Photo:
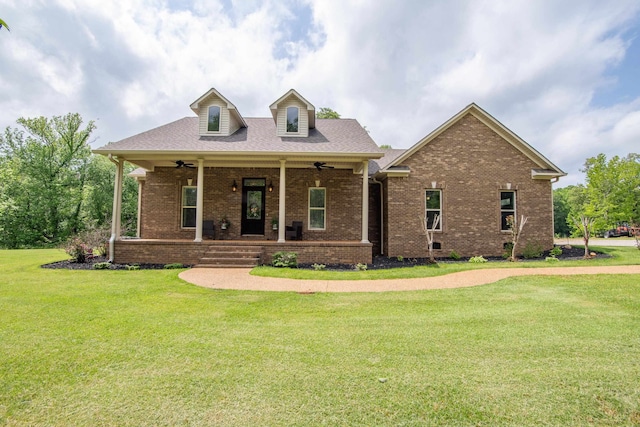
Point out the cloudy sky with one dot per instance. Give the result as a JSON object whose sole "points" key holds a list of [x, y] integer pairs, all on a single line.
{"points": [[563, 75]]}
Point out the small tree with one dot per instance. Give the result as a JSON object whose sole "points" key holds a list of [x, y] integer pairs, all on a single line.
{"points": [[429, 233], [585, 225], [516, 232]]}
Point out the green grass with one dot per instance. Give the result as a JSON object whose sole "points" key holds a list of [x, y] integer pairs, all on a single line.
{"points": [[619, 256], [136, 348]]}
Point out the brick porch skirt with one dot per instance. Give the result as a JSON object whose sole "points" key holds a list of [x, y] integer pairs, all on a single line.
{"points": [[159, 251]]}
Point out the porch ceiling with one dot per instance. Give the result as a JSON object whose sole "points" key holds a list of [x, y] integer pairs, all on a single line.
{"points": [[293, 161]]}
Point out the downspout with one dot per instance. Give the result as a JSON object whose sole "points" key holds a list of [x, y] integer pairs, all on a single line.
{"points": [[375, 181], [116, 197]]}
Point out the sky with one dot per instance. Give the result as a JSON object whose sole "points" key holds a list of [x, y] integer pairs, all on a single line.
{"points": [[563, 75]]}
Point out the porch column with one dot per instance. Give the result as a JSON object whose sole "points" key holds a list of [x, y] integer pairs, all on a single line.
{"points": [[282, 193], [139, 208], [116, 216], [199, 200], [365, 201]]}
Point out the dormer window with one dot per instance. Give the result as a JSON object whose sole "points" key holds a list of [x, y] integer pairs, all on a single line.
{"points": [[292, 119], [213, 122]]}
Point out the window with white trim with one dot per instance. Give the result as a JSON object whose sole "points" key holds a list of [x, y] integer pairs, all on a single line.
{"points": [[507, 208], [433, 207], [189, 197], [292, 119], [213, 121], [317, 208]]}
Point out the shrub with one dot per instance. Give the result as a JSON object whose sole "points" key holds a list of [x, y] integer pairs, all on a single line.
{"points": [[101, 266], [285, 259], [508, 249], [556, 251], [477, 259], [532, 250], [97, 238], [361, 267], [454, 255], [551, 259], [77, 249], [173, 266], [400, 258], [133, 267], [319, 267]]}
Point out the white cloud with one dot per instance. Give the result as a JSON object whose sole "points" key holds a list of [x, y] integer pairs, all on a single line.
{"points": [[400, 68]]}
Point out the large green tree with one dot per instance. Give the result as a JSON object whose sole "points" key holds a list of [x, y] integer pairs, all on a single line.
{"points": [[612, 190], [52, 187], [611, 194], [47, 166]]}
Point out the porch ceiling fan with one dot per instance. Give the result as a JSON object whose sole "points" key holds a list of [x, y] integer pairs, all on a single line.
{"points": [[181, 164], [322, 165]]}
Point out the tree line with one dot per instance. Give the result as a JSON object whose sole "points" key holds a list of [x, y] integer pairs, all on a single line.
{"points": [[51, 185], [609, 197]]}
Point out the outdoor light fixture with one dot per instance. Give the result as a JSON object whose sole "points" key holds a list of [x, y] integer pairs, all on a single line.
{"points": [[270, 187], [189, 182], [234, 187]]}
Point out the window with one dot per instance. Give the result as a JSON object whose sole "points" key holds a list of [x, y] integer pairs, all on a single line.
{"points": [[317, 208], [292, 119], [189, 207], [433, 207], [213, 123], [507, 208]]}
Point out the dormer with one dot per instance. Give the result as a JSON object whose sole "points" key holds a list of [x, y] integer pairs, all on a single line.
{"points": [[293, 114], [218, 116]]}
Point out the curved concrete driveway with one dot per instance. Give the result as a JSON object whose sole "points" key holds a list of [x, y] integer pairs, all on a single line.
{"points": [[240, 279]]}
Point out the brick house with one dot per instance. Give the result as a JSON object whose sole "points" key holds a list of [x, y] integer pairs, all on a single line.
{"points": [[353, 200]]}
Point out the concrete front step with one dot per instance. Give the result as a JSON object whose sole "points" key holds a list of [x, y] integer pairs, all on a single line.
{"points": [[228, 256], [224, 266], [232, 254]]}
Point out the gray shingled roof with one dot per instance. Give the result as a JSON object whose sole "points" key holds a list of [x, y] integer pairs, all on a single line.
{"points": [[329, 136]]}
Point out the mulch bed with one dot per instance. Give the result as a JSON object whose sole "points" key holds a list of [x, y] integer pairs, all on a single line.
{"points": [[382, 262], [72, 265], [379, 262]]}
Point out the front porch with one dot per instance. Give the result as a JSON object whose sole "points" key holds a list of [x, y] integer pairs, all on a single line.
{"points": [[165, 251]]}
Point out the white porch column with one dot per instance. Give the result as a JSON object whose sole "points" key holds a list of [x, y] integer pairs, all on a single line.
{"points": [[282, 193], [365, 201], [139, 208], [116, 216], [199, 200]]}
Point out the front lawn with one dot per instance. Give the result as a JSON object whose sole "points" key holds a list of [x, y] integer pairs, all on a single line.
{"points": [[136, 348]]}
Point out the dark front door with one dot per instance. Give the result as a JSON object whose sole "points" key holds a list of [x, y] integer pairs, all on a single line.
{"points": [[253, 206]]}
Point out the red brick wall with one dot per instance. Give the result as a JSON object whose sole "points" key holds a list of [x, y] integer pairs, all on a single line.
{"points": [[470, 163], [158, 252], [161, 201], [188, 252]]}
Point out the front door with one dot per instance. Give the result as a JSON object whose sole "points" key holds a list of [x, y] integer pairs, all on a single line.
{"points": [[253, 206]]}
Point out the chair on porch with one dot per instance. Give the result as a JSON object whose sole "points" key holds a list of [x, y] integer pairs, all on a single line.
{"points": [[294, 231], [208, 229]]}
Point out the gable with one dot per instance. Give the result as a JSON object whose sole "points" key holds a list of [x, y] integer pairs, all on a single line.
{"points": [[499, 136], [283, 111], [228, 119]]}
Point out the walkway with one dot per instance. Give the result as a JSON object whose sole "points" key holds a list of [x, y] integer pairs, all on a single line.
{"points": [[240, 279]]}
